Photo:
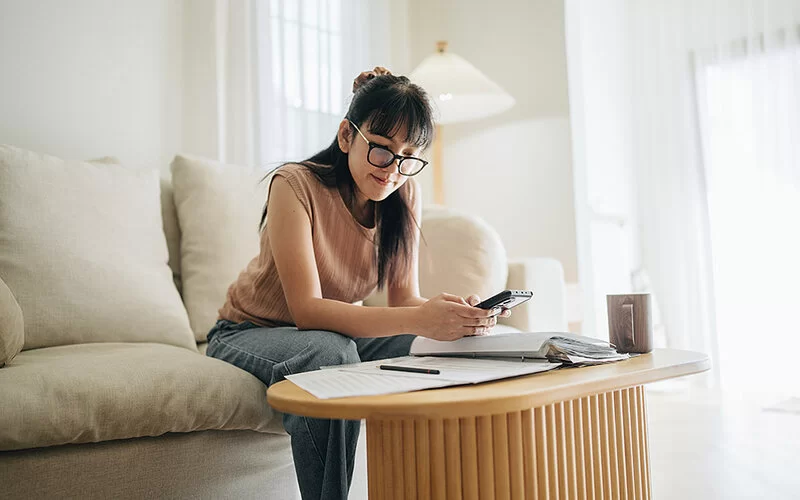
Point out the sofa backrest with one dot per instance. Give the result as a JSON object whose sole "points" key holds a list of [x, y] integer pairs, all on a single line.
{"points": [[83, 250], [172, 229]]}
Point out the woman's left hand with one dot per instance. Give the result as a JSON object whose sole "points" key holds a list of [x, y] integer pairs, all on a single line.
{"points": [[474, 300]]}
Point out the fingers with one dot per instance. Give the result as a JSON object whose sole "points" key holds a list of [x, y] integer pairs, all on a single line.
{"points": [[449, 297], [466, 331], [458, 318], [464, 309], [490, 322], [475, 327], [506, 313], [467, 311], [477, 330]]}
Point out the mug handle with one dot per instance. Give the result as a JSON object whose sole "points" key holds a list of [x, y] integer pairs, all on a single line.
{"points": [[628, 308]]}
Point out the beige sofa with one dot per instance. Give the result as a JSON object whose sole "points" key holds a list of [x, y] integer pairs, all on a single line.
{"points": [[111, 396]]}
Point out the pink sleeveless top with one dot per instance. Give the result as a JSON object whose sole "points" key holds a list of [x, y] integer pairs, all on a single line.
{"points": [[343, 249]]}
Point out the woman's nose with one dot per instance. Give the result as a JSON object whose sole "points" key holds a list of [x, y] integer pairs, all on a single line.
{"points": [[394, 167]]}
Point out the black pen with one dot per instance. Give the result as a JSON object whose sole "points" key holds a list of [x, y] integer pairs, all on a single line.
{"points": [[410, 369]]}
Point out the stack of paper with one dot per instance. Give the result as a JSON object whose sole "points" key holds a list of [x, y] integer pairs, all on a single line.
{"points": [[572, 351]]}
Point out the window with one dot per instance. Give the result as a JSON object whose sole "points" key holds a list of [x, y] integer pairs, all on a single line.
{"points": [[750, 115], [302, 88]]}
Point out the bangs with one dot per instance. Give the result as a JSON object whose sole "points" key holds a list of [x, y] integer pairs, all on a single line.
{"points": [[403, 110]]}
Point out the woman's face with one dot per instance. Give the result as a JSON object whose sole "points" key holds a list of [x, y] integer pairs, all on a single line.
{"points": [[374, 183]]}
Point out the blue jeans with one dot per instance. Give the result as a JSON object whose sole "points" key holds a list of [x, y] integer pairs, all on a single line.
{"points": [[323, 450]]}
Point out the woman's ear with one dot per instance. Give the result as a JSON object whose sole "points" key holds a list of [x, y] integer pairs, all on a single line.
{"points": [[345, 136]]}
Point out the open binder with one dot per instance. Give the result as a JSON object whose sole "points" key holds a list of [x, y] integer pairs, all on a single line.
{"points": [[553, 346]]}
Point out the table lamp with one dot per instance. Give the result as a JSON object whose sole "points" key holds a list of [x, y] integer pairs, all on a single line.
{"points": [[461, 93]]}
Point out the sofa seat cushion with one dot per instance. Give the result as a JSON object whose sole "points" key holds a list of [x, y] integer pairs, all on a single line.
{"points": [[98, 392]]}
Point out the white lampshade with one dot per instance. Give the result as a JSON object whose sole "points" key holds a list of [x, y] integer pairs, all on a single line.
{"points": [[459, 90]]}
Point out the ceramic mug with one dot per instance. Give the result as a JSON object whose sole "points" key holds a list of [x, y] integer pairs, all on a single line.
{"points": [[630, 322]]}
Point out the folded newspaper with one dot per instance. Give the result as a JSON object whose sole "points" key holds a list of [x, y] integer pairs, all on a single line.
{"points": [[554, 346]]}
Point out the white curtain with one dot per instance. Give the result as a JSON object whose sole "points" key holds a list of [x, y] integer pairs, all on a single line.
{"points": [[748, 93], [646, 74], [668, 171], [267, 81], [640, 202]]}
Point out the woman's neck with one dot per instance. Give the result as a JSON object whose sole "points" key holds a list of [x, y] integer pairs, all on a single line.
{"points": [[362, 209]]}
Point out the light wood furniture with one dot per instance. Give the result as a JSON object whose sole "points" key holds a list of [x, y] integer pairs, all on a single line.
{"points": [[572, 433]]}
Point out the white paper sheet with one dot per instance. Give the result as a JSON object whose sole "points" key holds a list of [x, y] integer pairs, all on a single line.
{"points": [[367, 379]]}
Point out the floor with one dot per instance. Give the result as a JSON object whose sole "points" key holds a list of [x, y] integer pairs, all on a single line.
{"points": [[708, 446]]}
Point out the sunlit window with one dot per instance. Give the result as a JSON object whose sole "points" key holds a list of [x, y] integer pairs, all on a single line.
{"points": [[302, 85], [751, 129]]}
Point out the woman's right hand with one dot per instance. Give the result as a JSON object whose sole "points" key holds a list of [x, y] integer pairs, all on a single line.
{"points": [[450, 317]]}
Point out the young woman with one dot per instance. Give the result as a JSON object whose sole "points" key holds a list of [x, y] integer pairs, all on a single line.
{"points": [[336, 226]]}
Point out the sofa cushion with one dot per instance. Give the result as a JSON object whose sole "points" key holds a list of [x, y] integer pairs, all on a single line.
{"points": [[219, 208], [459, 254], [99, 392], [11, 325], [172, 230], [169, 217], [83, 249]]}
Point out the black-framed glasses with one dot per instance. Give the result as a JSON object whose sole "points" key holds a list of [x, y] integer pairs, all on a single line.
{"points": [[381, 156]]}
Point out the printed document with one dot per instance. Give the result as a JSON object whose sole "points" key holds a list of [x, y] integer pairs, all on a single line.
{"points": [[367, 379]]}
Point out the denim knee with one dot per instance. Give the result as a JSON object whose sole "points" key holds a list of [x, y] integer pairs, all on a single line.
{"points": [[330, 349]]}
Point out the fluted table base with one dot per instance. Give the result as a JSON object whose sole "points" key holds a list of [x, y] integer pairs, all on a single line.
{"points": [[591, 447]]}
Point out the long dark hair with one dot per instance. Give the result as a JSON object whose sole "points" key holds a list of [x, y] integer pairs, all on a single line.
{"points": [[388, 104]]}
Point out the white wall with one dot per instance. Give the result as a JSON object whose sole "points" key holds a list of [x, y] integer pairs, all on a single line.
{"points": [[513, 169], [89, 78]]}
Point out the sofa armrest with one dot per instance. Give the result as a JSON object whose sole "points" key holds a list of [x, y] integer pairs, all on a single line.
{"points": [[547, 311]]}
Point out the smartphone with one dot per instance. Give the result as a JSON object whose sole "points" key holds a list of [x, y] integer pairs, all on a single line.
{"points": [[507, 299]]}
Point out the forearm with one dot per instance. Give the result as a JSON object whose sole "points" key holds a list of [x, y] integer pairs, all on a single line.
{"points": [[355, 320], [409, 302]]}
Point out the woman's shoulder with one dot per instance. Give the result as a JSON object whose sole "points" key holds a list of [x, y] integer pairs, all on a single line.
{"points": [[300, 176], [306, 184], [296, 170]]}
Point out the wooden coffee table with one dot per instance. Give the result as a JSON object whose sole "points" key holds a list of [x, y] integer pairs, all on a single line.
{"points": [[570, 433]]}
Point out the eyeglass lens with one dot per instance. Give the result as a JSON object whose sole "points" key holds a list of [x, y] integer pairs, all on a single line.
{"points": [[382, 158]]}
